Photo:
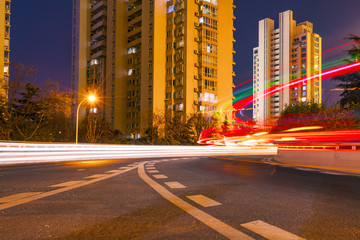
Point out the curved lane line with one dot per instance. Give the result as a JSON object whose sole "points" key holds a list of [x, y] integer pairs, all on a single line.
{"points": [[212, 222]]}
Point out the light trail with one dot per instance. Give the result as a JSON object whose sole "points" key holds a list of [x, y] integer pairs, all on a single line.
{"points": [[15, 153], [347, 44], [345, 69], [324, 66]]}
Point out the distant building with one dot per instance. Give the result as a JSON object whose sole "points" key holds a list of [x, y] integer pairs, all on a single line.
{"points": [[4, 46], [172, 57], [290, 52]]}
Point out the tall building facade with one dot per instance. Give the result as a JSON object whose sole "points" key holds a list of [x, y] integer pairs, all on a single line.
{"points": [[288, 53], [4, 46], [169, 58]]}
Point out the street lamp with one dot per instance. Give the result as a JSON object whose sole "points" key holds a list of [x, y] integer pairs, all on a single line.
{"points": [[91, 98]]}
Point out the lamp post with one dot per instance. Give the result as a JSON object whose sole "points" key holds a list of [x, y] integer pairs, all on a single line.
{"points": [[91, 98]]}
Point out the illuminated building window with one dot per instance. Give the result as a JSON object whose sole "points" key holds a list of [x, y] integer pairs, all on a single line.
{"points": [[131, 50], [93, 110], [171, 9], [179, 107], [213, 2], [209, 10], [208, 22]]}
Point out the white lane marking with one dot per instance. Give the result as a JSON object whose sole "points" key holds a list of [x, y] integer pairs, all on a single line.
{"points": [[160, 176], [153, 171], [114, 171], [150, 165], [214, 223], [150, 168], [203, 201], [81, 169], [174, 185], [96, 176], [59, 190], [123, 168], [269, 231], [17, 196], [66, 184]]}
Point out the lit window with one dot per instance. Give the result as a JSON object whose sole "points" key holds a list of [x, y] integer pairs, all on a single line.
{"points": [[170, 9]]}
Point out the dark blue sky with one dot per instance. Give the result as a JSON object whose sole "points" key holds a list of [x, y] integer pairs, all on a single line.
{"points": [[41, 32]]}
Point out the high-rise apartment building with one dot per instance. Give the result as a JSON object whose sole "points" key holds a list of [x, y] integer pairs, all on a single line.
{"points": [[144, 57], [286, 54], [4, 46]]}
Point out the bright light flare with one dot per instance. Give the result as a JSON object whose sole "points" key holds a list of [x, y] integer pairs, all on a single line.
{"points": [[91, 98]]}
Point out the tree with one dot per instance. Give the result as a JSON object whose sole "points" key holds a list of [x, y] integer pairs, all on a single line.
{"points": [[299, 115], [314, 114], [301, 107], [154, 133], [95, 127], [201, 121], [179, 132], [34, 112], [350, 82]]}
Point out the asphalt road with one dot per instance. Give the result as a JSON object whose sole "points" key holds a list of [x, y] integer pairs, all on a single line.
{"points": [[177, 198]]}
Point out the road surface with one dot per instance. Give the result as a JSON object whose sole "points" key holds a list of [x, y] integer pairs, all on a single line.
{"points": [[246, 197]]}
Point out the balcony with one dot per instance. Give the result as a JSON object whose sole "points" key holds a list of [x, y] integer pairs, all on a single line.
{"points": [[134, 31], [98, 54], [180, 6], [7, 35], [98, 34], [135, 10], [7, 20], [97, 15], [97, 6], [7, 8], [98, 44], [98, 25], [134, 20]]}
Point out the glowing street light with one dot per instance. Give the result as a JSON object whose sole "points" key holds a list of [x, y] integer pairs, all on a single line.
{"points": [[91, 98]]}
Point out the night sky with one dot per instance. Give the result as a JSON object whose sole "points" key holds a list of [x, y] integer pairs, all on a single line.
{"points": [[41, 32]]}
